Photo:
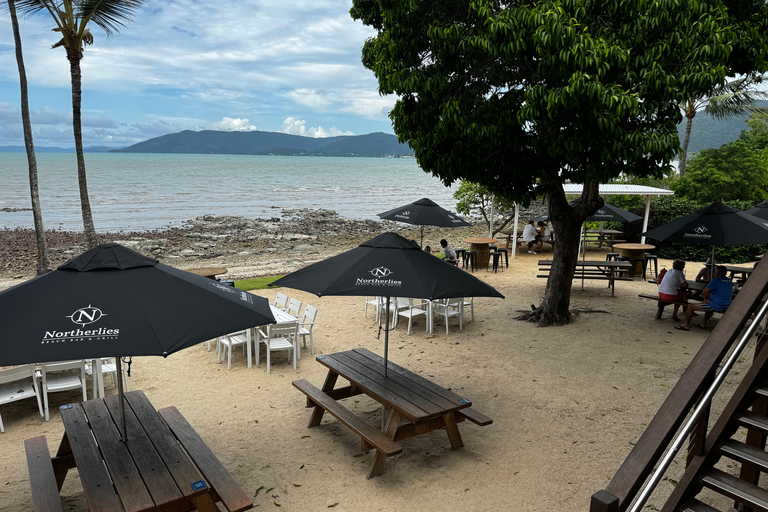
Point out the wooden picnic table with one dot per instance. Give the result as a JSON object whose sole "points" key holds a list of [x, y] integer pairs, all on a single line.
{"points": [[209, 272], [422, 405], [743, 272], [607, 236], [163, 466], [610, 271]]}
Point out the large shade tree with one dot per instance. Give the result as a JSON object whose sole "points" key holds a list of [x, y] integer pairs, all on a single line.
{"points": [[522, 96], [43, 260], [72, 18]]}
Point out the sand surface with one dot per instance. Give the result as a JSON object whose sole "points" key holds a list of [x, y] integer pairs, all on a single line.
{"points": [[567, 402]]}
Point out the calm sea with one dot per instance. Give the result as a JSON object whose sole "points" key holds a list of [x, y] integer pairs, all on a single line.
{"points": [[149, 191]]}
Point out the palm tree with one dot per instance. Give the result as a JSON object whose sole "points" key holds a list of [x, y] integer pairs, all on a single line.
{"points": [[43, 261], [731, 99], [72, 18]]}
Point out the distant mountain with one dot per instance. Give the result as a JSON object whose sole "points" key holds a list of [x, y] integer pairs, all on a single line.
{"points": [[271, 143], [44, 149], [707, 132]]}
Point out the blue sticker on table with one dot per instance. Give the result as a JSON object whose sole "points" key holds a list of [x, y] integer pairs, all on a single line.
{"points": [[68, 406], [465, 401], [321, 357], [200, 484]]}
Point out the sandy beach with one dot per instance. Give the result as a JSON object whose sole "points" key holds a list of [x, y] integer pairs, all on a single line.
{"points": [[568, 403]]}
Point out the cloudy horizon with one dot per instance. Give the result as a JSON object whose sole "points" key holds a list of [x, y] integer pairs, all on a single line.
{"points": [[290, 67]]}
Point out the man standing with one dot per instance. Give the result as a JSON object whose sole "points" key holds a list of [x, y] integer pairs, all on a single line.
{"points": [[716, 297], [529, 235]]}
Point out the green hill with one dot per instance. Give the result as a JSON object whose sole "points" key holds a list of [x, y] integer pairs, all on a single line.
{"points": [[271, 143], [707, 132]]}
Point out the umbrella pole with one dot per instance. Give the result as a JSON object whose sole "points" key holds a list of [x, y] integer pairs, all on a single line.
{"points": [[122, 397], [386, 338], [422, 237], [712, 268]]}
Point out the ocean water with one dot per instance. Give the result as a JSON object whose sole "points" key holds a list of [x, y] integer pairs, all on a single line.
{"points": [[151, 191]]}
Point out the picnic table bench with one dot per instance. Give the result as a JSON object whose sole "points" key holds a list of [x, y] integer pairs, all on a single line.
{"points": [[423, 405], [164, 465], [610, 271]]}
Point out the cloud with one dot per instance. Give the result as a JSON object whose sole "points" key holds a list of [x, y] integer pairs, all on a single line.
{"points": [[227, 124], [296, 126]]}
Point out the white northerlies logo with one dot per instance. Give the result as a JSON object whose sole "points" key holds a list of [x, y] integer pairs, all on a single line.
{"points": [[378, 273], [699, 232], [403, 215], [82, 317]]}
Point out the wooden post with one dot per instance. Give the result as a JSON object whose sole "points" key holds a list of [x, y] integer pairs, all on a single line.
{"points": [[603, 501]]}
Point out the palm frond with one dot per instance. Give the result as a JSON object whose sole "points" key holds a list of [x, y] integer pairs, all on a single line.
{"points": [[32, 7], [109, 15], [736, 98]]}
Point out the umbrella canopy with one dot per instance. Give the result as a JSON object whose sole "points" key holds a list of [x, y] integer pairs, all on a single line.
{"points": [[759, 210], [112, 301], [424, 212], [608, 213], [717, 225], [384, 266]]}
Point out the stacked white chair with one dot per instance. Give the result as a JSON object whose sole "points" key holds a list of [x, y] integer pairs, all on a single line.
{"points": [[62, 376], [17, 384]]}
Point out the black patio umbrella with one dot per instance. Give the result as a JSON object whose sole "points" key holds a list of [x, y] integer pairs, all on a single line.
{"points": [[717, 225], [759, 210], [112, 302], [424, 212], [384, 266], [608, 213]]}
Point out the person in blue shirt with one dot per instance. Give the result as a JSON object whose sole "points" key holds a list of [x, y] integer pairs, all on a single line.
{"points": [[716, 297]]}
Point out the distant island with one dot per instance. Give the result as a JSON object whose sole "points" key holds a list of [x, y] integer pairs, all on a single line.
{"points": [[381, 145]]}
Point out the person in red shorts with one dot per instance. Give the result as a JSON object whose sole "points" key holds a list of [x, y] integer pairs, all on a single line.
{"points": [[669, 288]]}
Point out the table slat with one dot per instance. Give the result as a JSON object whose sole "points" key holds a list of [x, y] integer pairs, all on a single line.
{"points": [[416, 379], [442, 403], [158, 480], [184, 471], [394, 386], [373, 387], [125, 476], [93, 474]]}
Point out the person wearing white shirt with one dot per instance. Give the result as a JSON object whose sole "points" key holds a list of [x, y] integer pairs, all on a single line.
{"points": [[529, 235], [669, 288]]}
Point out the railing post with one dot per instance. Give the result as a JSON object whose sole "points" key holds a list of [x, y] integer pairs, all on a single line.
{"points": [[698, 435], [603, 501]]}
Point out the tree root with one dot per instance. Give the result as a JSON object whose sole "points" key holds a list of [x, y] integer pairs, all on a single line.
{"points": [[536, 316]]}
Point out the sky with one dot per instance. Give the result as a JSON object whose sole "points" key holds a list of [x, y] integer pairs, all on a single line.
{"points": [[289, 66]]}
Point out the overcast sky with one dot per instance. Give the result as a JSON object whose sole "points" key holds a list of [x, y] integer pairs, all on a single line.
{"points": [[274, 65]]}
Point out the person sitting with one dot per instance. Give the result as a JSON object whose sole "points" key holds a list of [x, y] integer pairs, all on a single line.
{"points": [[545, 235], [529, 236], [705, 274], [448, 252], [427, 249], [669, 288], [716, 297]]}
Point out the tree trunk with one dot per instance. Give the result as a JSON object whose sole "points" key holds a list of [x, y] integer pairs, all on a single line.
{"points": [[566, 221], [43, 261], [690, 113], [91, 239]]}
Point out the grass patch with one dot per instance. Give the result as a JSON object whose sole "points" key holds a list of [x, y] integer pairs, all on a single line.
{"points": [[258, 283]]}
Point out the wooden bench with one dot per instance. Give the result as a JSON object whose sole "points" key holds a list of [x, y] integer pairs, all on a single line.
{"points": [[42, 480], [371, 437], [662, 303], [227, 491], [475, 417]]}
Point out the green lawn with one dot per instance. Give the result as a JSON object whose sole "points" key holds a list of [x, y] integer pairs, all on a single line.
{"points": [[259, 283]]}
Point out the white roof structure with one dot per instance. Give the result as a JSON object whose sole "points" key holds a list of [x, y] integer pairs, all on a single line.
{"points": [[620, 189]]}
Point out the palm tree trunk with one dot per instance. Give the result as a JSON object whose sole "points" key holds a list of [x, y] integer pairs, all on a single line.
{"points": [[43, 261], [91, 239], [690, 113]]}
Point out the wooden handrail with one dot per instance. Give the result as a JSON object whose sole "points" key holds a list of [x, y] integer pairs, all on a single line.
{"points": [[649, 448]]}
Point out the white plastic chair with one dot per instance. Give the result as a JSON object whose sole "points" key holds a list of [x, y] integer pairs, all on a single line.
{"points": [[281, 301], [449, 308], [17, 384], [278, 337], [413, 309], [63, 376], [374, 302], [294, 306], [108, 367], [306, 326], [232, 340], [471, 304]]}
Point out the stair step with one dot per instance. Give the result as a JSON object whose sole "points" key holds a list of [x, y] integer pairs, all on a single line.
{"points": [[761, 391], [696, 506], [744, 453], [754, 421], [735, 488]]}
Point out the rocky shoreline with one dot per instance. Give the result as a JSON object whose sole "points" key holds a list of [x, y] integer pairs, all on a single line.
{"points": [[247, 247]]}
